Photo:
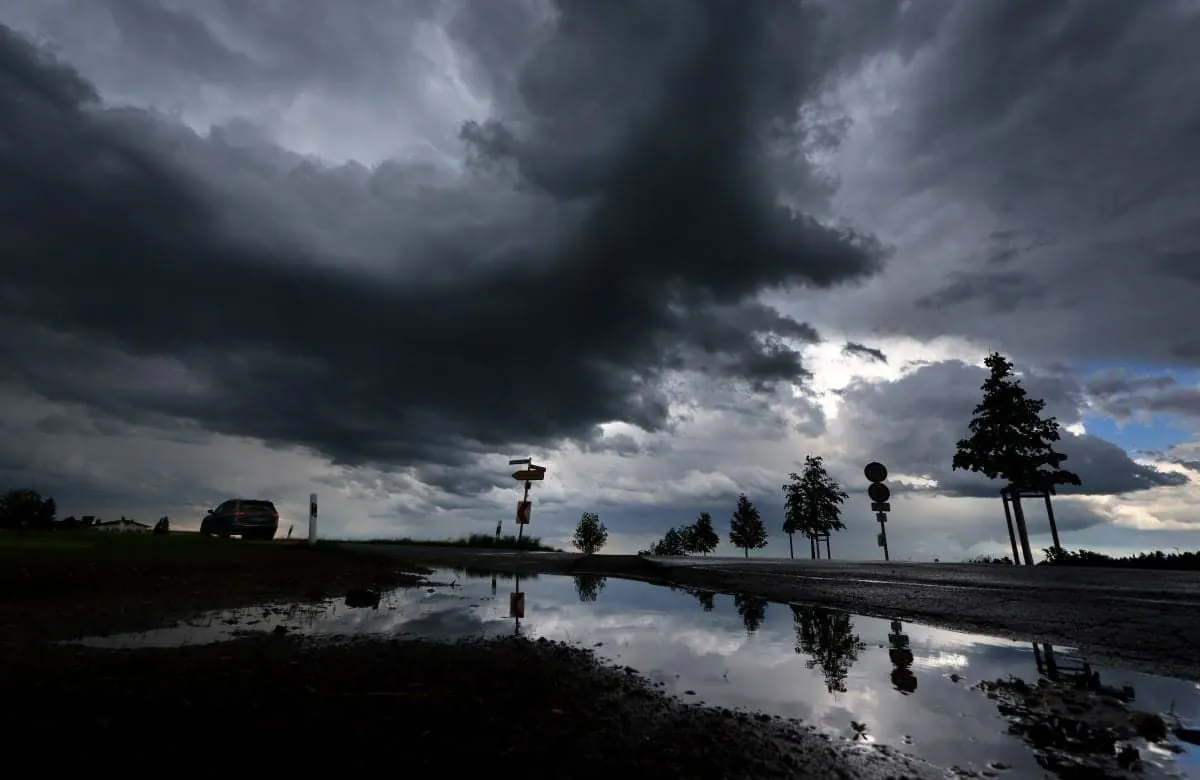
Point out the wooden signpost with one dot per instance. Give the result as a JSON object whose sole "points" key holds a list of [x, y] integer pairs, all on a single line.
{"points": [[527, 475]]}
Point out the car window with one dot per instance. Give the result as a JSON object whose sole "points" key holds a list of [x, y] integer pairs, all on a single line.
{"points": [[226, 506], [258, 505]]}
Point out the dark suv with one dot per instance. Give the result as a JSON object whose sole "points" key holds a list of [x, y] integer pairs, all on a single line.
{"points": [[242, 517]]}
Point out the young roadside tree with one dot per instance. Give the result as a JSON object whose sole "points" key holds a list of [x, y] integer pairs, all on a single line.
{"points": [[746, 529], [1010, 440], [674, 542], [812, 503], [590, 534], [700, 536]]}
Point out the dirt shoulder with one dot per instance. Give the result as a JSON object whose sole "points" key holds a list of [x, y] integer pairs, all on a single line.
{"points": [[64, 585], [1136, 629], [289, 706]]}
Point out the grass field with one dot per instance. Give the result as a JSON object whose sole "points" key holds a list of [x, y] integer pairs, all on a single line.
{"points": [[98, 580]]}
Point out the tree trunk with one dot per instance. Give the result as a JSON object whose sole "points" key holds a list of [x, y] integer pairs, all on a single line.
{"points": [[747, 551], [791, 547], [1022, 529]]}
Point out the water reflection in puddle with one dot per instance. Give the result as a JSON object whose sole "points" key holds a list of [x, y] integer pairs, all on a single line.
{"points": [[925, 690]]}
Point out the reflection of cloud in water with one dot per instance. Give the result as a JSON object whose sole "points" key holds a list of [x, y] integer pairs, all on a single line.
{"points": [[896, 680], [454, 624], [941, 661]]}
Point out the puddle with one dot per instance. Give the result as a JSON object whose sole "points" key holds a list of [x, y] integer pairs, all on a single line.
{"points": [[927, 691]]}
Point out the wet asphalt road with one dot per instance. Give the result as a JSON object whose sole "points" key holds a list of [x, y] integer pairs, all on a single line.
{"points": [[1141, 619]]}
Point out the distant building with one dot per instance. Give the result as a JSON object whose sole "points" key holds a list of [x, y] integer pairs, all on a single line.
{"points": [[122, 526]]}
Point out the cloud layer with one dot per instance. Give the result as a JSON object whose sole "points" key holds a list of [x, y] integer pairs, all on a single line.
{"points": [[409, 313], [670, 246]]}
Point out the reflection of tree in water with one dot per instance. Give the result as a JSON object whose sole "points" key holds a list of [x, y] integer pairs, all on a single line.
{"points": [[588, 586], [828, 637], [474, 573], [752, 609], [902, 658], [705, 598], [1077, 726]]}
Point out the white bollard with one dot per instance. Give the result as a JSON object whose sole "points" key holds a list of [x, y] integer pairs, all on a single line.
{"points": [[312, 518]]}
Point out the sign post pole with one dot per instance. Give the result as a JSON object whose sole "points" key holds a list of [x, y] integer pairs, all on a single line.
{"points": [[312, 518], [527, 475], [524, 500], [876, 473]]}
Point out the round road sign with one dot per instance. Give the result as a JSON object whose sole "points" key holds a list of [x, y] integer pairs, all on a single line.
{"points": [[879, 492], [875, 472]]}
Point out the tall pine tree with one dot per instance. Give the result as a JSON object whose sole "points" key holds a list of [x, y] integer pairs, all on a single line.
{"points": [[1010, 440]]}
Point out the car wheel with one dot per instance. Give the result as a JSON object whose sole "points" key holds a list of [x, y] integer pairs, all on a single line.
{"points": [[205, 530]]}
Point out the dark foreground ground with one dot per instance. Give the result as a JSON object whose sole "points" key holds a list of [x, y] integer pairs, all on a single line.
{"points": [[282, 704], [1142, 620], [506, 708]]}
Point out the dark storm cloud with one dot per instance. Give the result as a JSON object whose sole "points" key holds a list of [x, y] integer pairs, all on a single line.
{"points": [[863, 351], [998, 291], [281, 49], [402, 314], [913, 423], [1122, 394], [1066, 135]]}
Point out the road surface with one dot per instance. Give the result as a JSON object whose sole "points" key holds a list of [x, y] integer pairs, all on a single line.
{"points": [[1141, 619]]}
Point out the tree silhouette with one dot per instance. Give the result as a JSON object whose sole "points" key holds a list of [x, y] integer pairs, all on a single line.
{"points": [[590, 534], [752, 610], [674, 542], [588, 586], [746, 529], [26, 509], [1010, 440], [705, 598], [812, 503], [699, 537], [828, 638]]}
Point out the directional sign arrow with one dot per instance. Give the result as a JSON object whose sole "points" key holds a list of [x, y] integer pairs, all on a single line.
{"points": [[524, 475]]}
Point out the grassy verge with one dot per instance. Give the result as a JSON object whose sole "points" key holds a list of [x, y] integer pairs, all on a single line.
{"points": [[476, 541], [85, 581]]}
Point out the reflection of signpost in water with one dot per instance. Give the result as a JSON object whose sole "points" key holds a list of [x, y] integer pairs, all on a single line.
{"points": [[876, 473], [524, 506], [516, 606], [902, 659]]}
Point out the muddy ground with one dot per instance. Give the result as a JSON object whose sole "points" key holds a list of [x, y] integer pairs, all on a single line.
{"points": [[1141, 620], [284, 704], [507, 708]]}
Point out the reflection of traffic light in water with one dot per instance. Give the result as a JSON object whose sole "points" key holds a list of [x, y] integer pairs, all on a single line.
{"points": [[516, 606], [902, 658]]}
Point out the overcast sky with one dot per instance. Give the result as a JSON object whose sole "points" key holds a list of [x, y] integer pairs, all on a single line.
{"points": [[667, 247]]}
